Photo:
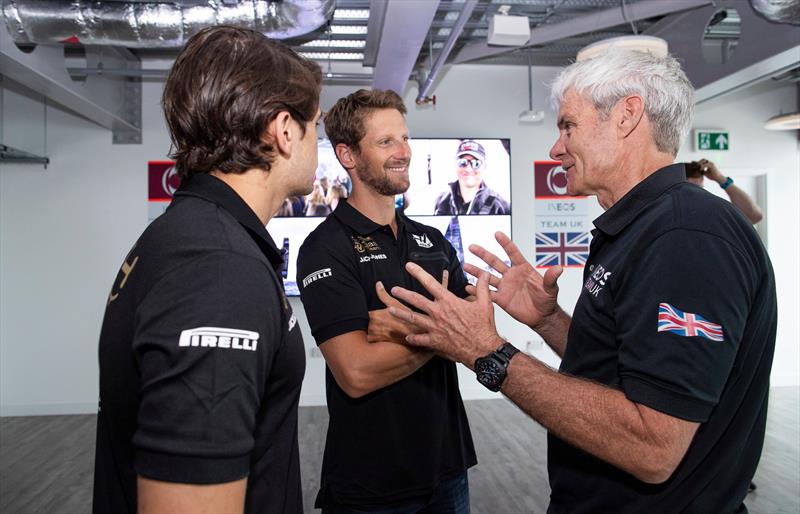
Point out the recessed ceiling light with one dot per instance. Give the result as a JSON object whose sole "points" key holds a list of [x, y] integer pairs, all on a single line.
{"points": [[336, 43], [351, 14]]}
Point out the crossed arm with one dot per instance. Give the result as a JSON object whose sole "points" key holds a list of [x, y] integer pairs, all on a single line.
{"points": [[598, 419], [363, 362]]}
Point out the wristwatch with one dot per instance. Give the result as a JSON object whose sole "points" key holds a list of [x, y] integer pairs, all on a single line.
{"points": [[491, 370]]}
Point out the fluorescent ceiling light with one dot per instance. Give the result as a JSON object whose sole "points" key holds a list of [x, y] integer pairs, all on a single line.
{"points": [[654, 45], [333, 56], [336, 43], [348, 29], [784, 122], [351, 14]]}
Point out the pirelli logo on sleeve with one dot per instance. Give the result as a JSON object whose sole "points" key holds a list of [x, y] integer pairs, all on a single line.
{"points": [[317, 275], [216, 337]]}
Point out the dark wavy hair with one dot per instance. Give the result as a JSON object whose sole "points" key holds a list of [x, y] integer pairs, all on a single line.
{"points": [[225, 87], [344, 122]]}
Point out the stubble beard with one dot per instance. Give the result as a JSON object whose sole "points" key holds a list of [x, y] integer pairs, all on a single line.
{"points": [[381, 182]]}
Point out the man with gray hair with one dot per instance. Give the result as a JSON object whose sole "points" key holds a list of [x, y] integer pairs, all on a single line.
{"points": [[660, 402]]}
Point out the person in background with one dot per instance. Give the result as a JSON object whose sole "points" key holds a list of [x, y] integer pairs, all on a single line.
{"points": [[201, 358], [697, 170], [336, 192], [316, 204], [470, 194]]}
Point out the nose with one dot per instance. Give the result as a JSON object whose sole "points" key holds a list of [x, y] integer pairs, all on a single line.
{"points": [[404, 152], [558, 149]]}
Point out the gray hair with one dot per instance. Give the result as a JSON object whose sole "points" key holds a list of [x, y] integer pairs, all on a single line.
{"points": [[604, 80]]}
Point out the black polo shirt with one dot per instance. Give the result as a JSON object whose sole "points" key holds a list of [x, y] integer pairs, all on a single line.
{"points": [[396, 443], [201, 360], [678, 310]]}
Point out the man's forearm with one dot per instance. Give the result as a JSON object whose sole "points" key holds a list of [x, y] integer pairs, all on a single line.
{"points": [[744, 203], [596, 419], [554, 330]]}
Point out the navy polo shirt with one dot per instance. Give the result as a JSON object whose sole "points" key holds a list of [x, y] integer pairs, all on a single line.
{"points": [[201, 359], [678, 311], [396, 443]]}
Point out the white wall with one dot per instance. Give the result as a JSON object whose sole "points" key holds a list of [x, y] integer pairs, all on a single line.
{"points": [[65, 230]]}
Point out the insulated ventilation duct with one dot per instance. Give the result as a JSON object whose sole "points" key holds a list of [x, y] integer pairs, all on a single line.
{"points": [[156, 24], [780, 11]]}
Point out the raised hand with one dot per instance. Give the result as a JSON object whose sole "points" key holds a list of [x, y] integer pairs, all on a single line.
{"points": [[519, 289]]}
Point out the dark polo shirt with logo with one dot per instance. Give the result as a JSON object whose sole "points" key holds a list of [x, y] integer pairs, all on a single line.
{"points": [[396, 443], [201, 360], [678, 310]]}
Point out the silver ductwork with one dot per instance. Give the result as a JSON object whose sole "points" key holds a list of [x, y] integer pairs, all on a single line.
{"points": [[781, 11], [156, 24]]}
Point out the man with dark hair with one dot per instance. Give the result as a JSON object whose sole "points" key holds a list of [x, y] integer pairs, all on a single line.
{"points": [[201, 360], [398, 438], [696, 171], [470, 194]]}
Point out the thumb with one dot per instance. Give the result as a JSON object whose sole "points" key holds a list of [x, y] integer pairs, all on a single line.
{"points": [[550, 280]]}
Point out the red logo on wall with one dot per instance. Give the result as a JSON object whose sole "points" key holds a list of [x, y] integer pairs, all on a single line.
{"points": [[549, 179], [162, 180]]}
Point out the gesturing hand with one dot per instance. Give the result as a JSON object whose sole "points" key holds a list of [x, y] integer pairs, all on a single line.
{"points": [[457, 329], [519, 289], [385, 327]]}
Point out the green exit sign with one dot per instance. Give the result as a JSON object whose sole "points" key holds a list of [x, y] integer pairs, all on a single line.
{"points": [[711, 140]]}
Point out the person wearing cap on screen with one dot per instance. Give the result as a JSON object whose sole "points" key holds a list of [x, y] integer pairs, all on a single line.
{"points": [[470, 194]]}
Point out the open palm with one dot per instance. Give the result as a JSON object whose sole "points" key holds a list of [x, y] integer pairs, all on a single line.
{"points": [[519, 289]]}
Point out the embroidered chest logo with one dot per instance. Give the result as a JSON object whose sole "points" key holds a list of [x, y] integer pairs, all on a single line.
{"points": [[422, 241], [597, 280], [216, 337], [364, 244]]}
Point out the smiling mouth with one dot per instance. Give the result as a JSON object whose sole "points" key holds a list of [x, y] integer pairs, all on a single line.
{"points": [[397, 169]]}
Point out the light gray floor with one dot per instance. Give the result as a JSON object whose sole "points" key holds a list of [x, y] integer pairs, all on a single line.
{"points": [[46, 461]]}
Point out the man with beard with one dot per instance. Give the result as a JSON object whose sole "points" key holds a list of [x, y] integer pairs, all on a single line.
{"points": [[398, 438]]}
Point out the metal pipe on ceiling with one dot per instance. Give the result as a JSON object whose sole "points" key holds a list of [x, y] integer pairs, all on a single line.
{"points": [[463, 17], [164, 24]]}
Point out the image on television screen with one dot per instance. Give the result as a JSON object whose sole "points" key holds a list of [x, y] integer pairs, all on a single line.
{"points": [[460, 186]]}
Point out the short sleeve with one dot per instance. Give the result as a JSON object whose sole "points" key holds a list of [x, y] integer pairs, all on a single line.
{"points": [[681, 312], [332, 296], [206, 335]]}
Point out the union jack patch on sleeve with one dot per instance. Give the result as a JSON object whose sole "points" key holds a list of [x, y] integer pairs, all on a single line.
{"points": [[687, 324]]}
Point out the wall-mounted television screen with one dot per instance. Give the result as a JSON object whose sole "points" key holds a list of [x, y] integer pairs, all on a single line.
{"points": [[460, 186]]}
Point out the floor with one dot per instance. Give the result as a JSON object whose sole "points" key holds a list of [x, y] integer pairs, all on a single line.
{"points": [[46, 461]]}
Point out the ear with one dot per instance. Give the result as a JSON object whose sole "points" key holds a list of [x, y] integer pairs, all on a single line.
{"points": [[281, 133], [346, 156], [631, 112]]}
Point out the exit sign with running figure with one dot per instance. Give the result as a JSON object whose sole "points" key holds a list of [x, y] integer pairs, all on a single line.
{"points": [[711, 140]]}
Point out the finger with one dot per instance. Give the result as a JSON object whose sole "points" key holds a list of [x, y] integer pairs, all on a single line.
{"points": [[473, 270], [482, 288], [412, 298], [489, 258], [428, 282], [445, 278], [419, 340], [414, 318], [511, 249], [550, 280], [384, 296]]}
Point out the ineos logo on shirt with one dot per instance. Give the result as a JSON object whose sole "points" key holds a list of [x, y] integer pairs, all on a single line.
{"points": [[216, 337], [317, 275]]}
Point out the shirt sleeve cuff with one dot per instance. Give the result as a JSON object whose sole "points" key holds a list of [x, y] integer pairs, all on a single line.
{"points": [[663, 400], [340, 327], [190, 470]]}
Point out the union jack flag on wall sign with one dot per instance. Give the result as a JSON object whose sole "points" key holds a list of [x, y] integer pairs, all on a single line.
{"points": [[562, 249], [687, 324]]}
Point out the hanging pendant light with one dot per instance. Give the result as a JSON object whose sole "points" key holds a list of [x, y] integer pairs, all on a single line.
{"points": [[530, 116]]}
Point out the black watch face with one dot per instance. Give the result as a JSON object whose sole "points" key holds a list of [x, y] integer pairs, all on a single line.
{"points": [[490, 373]]}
